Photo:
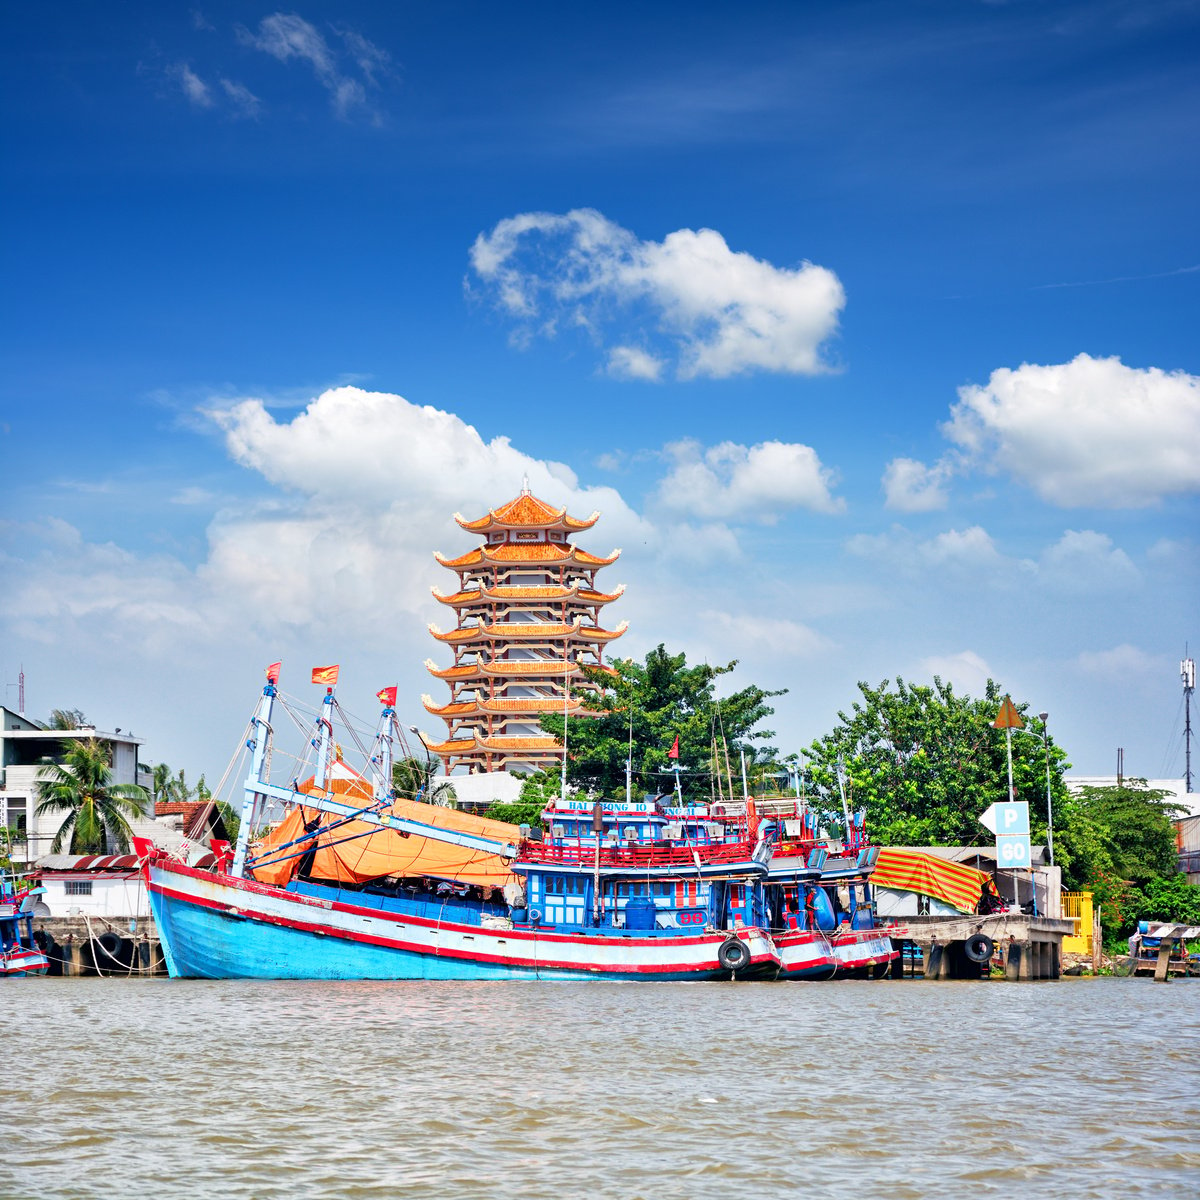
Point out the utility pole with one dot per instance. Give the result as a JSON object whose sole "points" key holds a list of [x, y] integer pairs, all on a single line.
{"points": [[1187, 672]]}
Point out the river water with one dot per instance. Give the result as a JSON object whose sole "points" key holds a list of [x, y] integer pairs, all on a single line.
{"points": [[373, 1091]]}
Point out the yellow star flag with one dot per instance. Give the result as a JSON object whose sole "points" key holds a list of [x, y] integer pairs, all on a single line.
{"points": [[1008, 717]]}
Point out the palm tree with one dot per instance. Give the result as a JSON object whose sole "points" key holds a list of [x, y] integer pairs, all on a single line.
{"points": [[97, 809], [162, 780], [413, 778], [67, 718]]}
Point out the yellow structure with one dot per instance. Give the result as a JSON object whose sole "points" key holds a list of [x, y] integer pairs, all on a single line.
{"points": [[1077, 907], [528, 622]]}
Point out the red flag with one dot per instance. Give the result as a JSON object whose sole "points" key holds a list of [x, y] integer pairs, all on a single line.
{"points": [[387, 696], [273, 672], [674, 750], [326, 675]]}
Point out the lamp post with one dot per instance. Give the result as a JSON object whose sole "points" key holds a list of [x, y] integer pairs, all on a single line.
{"points": [[1044, 738], [428, 756], [1043, 716]]}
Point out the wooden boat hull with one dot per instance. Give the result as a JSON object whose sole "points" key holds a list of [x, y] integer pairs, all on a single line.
{"points": [[862, 951], [23, 961], [806, 954], [220, 927]]}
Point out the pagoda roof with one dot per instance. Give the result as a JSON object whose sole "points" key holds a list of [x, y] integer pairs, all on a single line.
{"points": [[526, 705], [454, 746], [532, 554], [511, 592], [497, 742], [528, 631], [523, 668], [526, 511]]}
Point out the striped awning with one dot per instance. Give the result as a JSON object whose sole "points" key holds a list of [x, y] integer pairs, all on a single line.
{"points": [[928, 875]]}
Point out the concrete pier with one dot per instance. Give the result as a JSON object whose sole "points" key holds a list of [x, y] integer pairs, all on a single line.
{"points": [[122, 948], [1031, 946]]}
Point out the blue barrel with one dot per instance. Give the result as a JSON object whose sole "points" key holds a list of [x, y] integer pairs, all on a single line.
{"points": [[640, 913]]}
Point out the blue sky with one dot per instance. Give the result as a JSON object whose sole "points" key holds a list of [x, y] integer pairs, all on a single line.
{"points": [[869, 327]]}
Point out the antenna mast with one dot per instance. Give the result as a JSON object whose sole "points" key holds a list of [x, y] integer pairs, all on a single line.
{"points": [[1187, 672]]}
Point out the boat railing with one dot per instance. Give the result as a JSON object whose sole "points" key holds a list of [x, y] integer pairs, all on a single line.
{"points": [[634, 855]]}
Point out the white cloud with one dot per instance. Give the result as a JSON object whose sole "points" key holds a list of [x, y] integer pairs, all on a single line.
{"points": [[1121, 662], [761, 482], [967, 549], [286, 36], [966, 670], [700, 545], [774, 635], [1088, 561], [378, 449], [910, 486], [628, 362], [1091, 432], [244, 101], [192, 86], [719, 312]]}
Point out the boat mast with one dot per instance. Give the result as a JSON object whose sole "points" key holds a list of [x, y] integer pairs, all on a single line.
{"points": [[381, 760], [324, 742], [259, 746]]}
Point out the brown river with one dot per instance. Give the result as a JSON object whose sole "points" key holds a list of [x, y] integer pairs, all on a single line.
{"points": [[160, 1089]]}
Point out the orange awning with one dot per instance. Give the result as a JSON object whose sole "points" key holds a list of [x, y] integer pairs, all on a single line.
{"points": [[357, 852]]}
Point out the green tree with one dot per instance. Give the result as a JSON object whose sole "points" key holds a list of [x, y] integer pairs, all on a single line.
{"points": [[537, 790], [162, 780], [97, 810], [1168, 898], [656, 702], [1118, 843], [414, 778], [925, 763]]}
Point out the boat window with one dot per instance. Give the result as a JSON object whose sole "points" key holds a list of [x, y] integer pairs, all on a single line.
{"points": [[78, 887]]}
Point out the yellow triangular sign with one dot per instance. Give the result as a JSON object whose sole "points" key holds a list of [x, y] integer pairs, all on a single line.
{"points": [[1008, 717]]}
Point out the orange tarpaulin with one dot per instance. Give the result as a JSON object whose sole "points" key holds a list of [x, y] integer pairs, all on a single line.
{"points": [[356, 852], [929, 875]]}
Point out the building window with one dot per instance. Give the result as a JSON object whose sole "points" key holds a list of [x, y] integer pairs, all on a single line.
{"points": [[78, 887]]}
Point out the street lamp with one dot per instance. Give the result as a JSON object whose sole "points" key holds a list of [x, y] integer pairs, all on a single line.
{"points": [[1044, 738], [428, 756], [1043, 717]]}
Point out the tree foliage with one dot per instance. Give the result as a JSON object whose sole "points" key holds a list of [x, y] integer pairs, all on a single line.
{"points": [[96, 809], [653, 703], [925, 762], [1118, 843], [413, 778], [67, 718]]}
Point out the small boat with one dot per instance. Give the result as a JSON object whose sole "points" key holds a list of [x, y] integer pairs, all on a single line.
{"points": [[358, 883], [19, 953]]}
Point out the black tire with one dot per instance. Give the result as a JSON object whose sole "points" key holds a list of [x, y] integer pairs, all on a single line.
{"points": [[733, 954], [979, 948]]}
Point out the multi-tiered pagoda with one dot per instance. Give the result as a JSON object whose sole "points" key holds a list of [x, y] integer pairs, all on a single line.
{"points": [[528, 622]]}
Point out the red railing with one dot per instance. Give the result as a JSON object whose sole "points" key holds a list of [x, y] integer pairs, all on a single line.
{"points": [[635, 856]]}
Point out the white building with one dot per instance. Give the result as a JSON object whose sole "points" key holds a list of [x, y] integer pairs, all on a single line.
{"points": [[24, 749]]}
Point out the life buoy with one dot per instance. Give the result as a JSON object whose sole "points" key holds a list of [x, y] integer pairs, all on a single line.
{"points": [[979, 948], [733, 954]]}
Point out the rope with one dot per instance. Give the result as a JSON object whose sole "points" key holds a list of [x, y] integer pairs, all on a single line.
{"points": [[95, 941]]}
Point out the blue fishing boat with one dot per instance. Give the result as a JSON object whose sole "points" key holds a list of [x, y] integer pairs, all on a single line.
{"points": [[359, 883], [19, 953]]}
